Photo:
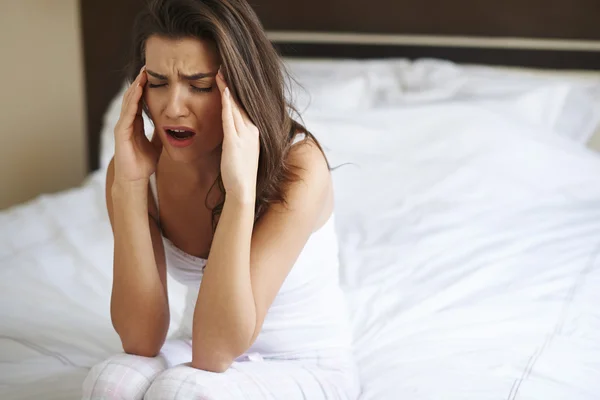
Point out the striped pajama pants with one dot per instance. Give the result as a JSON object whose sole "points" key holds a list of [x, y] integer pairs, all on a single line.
{"points": [[317, 375]]}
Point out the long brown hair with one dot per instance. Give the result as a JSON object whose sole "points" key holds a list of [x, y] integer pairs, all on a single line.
{"points": [[253, 70]]}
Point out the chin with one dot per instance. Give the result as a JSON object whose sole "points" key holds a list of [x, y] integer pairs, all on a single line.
{"points": [[190, 154], [181, 155]]}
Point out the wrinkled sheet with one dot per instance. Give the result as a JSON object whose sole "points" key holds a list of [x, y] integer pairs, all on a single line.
{"points": [[469, 243]]}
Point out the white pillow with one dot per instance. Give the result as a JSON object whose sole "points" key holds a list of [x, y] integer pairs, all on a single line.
{"points": [[562, 108], [567, 107], [344, 87]]}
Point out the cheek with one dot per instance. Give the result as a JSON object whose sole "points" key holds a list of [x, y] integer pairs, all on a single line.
{"points": [[209, 109]]}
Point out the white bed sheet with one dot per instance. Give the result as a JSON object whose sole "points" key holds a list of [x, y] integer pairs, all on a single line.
{"points": [[55, 279], [470, 256], [469, 242]]}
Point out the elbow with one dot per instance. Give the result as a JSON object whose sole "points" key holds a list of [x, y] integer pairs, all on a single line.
{"points": [[141, 349], [215, 365], [142, 340], [142, 345], [214, 359], [218, 354]]}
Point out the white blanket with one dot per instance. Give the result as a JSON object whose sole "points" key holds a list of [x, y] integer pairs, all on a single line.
{"points": [[470, 249], [469, 243]]}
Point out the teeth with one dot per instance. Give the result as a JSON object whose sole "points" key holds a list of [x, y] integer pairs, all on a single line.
{"points": [[180, 134]]}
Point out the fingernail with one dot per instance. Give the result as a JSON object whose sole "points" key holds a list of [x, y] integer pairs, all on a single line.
{"points": [[143, 68], [227, 92]]}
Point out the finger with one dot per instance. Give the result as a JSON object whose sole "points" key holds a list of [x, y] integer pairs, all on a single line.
{"points": [[134, 83], [138, 132], [243, 115], [126, 100], [240, 118], [227, 103], [220, 79], [132, 110], [134, 106], [237, 117], [132, 88], [142, 77], [141, 85], [227, 116]]}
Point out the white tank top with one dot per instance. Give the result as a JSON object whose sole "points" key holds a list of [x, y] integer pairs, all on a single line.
{"points": [[309, 312]]}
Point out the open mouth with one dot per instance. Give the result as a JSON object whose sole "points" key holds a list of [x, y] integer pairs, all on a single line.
{"points": [[179, 134]]}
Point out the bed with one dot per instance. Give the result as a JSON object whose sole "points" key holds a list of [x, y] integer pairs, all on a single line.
{"points": [[467, 201]]}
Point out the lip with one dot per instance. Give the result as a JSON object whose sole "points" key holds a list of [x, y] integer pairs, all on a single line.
{"points": [[176, 142]]}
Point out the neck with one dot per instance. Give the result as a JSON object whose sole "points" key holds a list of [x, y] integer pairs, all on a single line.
{"points": [[200, 174]]}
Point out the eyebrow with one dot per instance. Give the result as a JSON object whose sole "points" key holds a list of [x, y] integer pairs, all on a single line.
{"points": [[192, 77]]}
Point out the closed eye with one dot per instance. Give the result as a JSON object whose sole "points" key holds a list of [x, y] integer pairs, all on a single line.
{"points": [[192, 87], [203, 90]]}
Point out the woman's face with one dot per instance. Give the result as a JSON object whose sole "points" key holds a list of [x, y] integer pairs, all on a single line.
{"points": [[182, 96]]}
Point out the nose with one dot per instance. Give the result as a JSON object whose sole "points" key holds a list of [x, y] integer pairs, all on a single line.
{"points": [[176, 105]]}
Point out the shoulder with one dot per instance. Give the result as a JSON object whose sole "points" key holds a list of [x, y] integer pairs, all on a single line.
{"points": [[311, 192], [307, 207], [309, 163]]}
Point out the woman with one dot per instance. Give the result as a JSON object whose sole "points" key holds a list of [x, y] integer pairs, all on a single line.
{"points": [[234, 199]]}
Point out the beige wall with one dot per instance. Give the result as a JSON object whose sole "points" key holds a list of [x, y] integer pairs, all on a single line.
{"points": [[42, 126]]}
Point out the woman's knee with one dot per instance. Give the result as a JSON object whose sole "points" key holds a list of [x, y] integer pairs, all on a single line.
{"points": [[185, 382], [123, 376]]}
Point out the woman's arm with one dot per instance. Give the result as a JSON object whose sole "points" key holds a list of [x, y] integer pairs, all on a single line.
{"points": [[248, 264], [247, 267], [225, 313], [139, 303]]}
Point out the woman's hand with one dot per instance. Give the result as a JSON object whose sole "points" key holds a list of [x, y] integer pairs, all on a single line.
{"points": [[135, 156], [241, 147]]}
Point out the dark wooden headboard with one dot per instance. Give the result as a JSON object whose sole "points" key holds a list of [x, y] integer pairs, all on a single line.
{"points": [[557, 34]]}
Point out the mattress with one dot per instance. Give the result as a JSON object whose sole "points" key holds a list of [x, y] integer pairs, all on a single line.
{"points": [[468, 216]]}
